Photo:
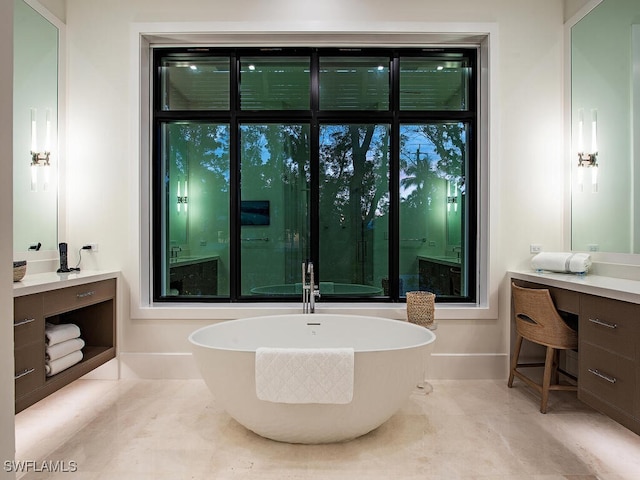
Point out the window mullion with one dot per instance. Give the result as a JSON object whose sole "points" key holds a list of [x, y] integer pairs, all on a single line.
{"points": [[314, 164], [234, 181], [394, 184]]}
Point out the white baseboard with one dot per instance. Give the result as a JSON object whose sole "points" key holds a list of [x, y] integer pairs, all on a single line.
{"points": [[467, 366], [106, 371], [440, 366], [158, 366]]}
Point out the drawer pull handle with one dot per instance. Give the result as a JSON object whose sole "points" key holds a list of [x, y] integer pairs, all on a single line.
{"points": [[86, 294], [23, 322], [603, 323], [24, 373], [604, 376]]}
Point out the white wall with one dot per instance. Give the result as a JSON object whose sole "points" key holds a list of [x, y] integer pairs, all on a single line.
{"points": [[526, 170], [7, 427], [571, 7], [56, 7]]}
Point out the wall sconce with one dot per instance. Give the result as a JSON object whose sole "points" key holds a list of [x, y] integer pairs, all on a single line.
{"points": [[588, 160], [452, 197], [40, 159], [183, 199]]}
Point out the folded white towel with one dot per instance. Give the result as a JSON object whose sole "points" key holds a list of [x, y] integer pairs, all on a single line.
{"points": [[304, 375], [565, 262], [56, 366], [53, 352], [59, 333]]}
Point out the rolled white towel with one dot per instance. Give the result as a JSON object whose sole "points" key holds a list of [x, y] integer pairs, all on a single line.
{"points": [[56, 366], [59, 350], [565, 262], [60, 333]]}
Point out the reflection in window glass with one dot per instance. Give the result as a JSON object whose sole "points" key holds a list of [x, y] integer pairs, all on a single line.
{"points": [[433, 168], [195, 83], [354, 159], [354, 83], [274, 83], [274, 219], [195, 210], [434, 83], [354, 209]]}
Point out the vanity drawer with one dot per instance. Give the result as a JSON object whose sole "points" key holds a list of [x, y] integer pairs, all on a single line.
{"points": [[610, 377], [610, 324], [71, 298], [28, 321], [29, 368]]}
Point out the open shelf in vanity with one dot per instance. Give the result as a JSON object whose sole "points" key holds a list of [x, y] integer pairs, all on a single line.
{"points": [[88, 301]]}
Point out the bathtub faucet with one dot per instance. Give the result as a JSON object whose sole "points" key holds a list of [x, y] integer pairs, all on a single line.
{"points": [[310, 290]]}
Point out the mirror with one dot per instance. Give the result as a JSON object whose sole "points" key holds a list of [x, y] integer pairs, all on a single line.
{"points": [[35, 127], [605, 107]]}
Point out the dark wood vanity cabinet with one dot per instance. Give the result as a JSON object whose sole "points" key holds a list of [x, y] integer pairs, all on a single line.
{"points": [[91, 306], [195, 278], [29, 346], [608, 352], [438, 277], [609, 358]]}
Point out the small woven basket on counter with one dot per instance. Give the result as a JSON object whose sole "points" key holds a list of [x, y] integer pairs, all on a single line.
{"points": [[420, 308], [19, 269]]}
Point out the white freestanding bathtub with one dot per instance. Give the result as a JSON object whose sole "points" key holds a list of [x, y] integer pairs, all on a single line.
{"points": [[389, 362]]}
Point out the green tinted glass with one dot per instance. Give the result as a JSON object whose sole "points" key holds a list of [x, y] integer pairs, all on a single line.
{"points": [[433, 169], [348, 83], [274, 213], [274, 83], [195, 83], [434, 83], [354, 210], [195, 209]]}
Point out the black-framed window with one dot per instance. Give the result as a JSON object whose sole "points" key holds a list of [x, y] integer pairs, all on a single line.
{"points": [[363, 161]]}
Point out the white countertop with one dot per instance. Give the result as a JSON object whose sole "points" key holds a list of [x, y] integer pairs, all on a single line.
{"points": [[610, 287], [444, 260], [43, 282], [191, 260]]}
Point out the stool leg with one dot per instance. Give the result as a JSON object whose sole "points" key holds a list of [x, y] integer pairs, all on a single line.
{"points": [[548, 370], [555, 377], [514, 360]]}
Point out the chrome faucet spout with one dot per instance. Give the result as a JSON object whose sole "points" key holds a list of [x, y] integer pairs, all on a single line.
{"points": [[312, 303], [305, 290], [310, 290]]}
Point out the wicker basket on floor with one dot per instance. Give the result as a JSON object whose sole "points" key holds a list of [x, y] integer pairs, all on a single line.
{"points": [[420, 308]]}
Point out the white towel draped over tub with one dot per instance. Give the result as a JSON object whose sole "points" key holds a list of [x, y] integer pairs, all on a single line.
{"points": [[304, 375], [564, 262]]}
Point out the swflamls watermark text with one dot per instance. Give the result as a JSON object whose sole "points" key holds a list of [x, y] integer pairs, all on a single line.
{"points": [[53, 466]]}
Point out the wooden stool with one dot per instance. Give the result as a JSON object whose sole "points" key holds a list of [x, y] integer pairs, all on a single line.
{"points": [[538, 321]]}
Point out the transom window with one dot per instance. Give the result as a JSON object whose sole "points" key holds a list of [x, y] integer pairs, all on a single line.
{"points": [[363, 161]]}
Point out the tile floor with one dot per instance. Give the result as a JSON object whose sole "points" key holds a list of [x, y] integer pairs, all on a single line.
{"points": [[173, 430]]}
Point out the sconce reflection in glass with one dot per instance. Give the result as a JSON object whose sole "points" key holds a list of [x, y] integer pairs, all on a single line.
{"points": [[40, 159], [452, 196], [588, 160], [183, 200]]}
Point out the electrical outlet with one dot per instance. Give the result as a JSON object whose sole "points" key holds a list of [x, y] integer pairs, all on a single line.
{"points": [[94, 247], [593, 247], [535, 248]]}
